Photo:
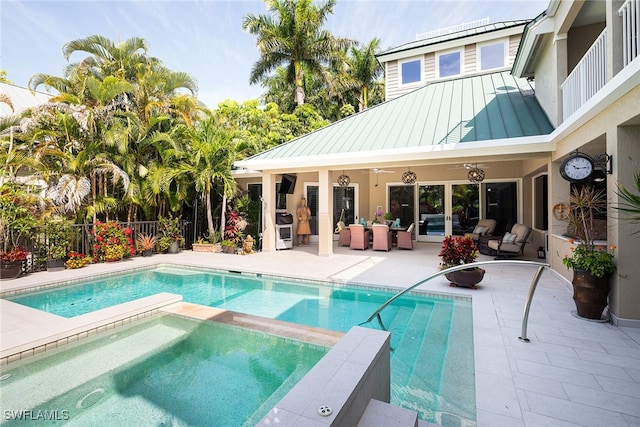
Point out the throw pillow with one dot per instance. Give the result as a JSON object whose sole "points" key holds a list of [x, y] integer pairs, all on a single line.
{"points": [[509, 238], [480, 230]]}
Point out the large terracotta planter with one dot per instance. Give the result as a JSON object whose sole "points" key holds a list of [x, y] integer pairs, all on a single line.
{"points": [[590, 294], [206, 247], [10, 270], [465, 278]]}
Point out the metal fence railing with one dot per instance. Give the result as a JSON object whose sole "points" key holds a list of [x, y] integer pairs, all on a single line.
{"points": [[82, 239]]}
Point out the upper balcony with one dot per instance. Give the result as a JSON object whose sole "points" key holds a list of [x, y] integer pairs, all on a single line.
{"points": [[590, 74]]}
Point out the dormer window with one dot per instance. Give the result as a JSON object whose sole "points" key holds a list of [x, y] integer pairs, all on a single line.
{"points": [[449, 63], [411, 72], [491, 56]]}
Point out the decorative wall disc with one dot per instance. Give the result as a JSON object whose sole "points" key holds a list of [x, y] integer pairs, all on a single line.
{"points": [[344, 180], [409, 177]]}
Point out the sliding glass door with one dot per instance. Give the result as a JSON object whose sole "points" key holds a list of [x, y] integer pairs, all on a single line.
{"points": [[447, 209]]}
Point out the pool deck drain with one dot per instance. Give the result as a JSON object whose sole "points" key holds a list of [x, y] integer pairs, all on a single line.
{"points": [[308, 334]]}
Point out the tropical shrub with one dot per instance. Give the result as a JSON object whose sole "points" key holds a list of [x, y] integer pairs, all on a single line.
{"points": [[112, 241], [457, 251]]}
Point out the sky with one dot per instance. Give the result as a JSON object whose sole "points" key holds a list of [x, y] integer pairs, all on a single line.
{"points": [[205, 38]]}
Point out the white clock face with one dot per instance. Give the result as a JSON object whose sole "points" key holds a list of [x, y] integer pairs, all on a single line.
{"points": [[578, 168]]}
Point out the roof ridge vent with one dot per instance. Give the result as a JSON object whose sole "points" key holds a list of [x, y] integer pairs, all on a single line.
{"points": [[453, 29]]}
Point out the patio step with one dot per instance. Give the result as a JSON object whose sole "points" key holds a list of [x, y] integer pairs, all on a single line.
{"points": [[408, 348], [381, 414]]}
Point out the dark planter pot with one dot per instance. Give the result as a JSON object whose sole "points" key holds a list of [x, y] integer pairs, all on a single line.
{"points": [[147, 252], [10, 270], [55, 264], [465, 278], [174, 248], [229, 249], [590, 293]]}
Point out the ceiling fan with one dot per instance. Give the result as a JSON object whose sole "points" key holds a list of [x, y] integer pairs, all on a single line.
{"points": [[377, 171], [469, 166]]}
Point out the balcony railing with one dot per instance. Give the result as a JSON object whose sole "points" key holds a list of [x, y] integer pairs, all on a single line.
{"points": [[587, 78], [630, 13]]}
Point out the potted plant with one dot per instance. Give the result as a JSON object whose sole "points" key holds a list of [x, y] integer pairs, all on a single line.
{"points": [[228, 246], [18, 221], [234, 230], [592, 263], [208, 243], [459, 251], [57, 232], [11, 263], [146, 243], [77, 260], [171, 238], [388, 217]]}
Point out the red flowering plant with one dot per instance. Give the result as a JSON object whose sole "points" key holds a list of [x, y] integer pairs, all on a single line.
{"points": [[112, 241], [234, 230], [15, 255], [457, 251]]}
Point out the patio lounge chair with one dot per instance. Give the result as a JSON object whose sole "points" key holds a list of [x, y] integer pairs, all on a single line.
{"points": [[344, 234], [359, 237], [381, 237], [405, 238], [484, 227], [512, 243]]}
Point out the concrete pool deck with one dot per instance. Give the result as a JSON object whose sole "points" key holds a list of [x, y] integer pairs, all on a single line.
{"points": [[573, 372]]}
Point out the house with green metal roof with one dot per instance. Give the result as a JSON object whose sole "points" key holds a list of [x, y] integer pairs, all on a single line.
{"points": [[480, 144]]}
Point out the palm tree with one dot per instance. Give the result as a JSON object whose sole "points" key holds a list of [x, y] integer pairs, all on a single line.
{"points": [[213, 151], [365, 70], [293, 37]]}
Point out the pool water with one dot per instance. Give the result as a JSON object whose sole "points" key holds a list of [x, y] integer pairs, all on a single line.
{"points": [[165, 371], [432, 367]]}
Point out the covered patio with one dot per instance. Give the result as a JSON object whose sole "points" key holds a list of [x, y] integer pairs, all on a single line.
{"points": [[441, 157]]}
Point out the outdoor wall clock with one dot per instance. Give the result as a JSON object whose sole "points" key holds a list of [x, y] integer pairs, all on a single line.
{"points": [[577, 167]]}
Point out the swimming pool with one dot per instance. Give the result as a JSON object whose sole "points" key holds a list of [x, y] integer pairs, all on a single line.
{"points": [[164, 371], [432, 368]]}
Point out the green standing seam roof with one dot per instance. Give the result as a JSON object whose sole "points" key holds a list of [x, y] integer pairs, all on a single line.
{"points": [[496, 26], [469, 109]]}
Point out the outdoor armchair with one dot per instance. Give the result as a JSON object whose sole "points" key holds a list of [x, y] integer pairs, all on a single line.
{"points": [[405, 238], [484, 227], [512, 243], [359, 237], [381, 237], [344, 234]]}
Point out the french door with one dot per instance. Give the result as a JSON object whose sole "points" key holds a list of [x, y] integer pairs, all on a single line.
{"points": [[447, 209]]}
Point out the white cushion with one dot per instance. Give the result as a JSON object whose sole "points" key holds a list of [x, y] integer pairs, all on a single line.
{"points": [[480, 230], [509, 238]]}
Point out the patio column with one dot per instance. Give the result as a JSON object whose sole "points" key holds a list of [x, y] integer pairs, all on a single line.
{"points": [[624, 299], [325, 218], [268, 213]]}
